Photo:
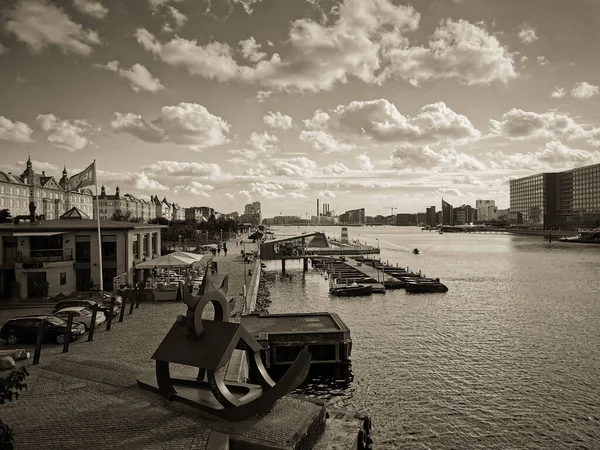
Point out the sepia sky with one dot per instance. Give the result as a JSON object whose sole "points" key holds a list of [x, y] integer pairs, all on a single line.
{"points": [[361, 103]]}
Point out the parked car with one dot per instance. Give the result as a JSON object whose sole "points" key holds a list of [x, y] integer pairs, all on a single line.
{"points": [[82, 315], [100, 296], [25, 329], [105, 308]]}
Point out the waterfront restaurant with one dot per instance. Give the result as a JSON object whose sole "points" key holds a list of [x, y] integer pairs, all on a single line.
{"points": [[46, 258]]}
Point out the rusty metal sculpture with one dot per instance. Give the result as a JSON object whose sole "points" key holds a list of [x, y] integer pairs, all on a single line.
{"points": [[208, 345]]}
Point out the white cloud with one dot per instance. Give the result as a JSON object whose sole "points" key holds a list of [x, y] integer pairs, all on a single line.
{"points": [[278, 120], [186, 124], [262, 142], [250, 50], [324, 142], [527, 34], [18, 132], [140, 79], [195, 188], [318, 121], [553, 155], [558, 92], [519, 124], [143, 183], [426, 158], [457, 49], [38, 24], [335, 168], [91, 8], [365, 163], [467, 179], [248, 5], [178, 17], [328, 194], [584, 90], [38, 166], [449, 191], [381, 120], [70, 135], [364, 42], [262, 96], [295, 167], [179, 169], [542, 61]]}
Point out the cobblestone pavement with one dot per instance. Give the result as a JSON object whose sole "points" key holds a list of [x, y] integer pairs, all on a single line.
{"points": [[88, 397]]}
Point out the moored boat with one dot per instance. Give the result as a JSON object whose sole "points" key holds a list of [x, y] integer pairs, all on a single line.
{"points": [[586, 237], [350, 290], [424, 285]]}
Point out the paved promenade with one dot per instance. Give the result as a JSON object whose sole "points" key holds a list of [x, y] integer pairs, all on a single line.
{"points": [[88, 398]]}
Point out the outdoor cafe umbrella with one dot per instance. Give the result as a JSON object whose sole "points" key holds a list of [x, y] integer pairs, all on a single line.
{"points": [[164, 261], [188, 255]]}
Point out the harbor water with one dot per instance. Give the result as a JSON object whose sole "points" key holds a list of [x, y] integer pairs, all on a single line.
{"points": [[509, 358]]}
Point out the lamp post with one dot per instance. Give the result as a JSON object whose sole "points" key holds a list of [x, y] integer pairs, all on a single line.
{"points": [[359, 243], [377, 239]]}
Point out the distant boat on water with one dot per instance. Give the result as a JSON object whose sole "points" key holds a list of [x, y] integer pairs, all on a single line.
{"points": [[584, 237]]}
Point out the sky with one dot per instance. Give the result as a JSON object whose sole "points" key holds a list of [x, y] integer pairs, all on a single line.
{"points": [[360, 103]]}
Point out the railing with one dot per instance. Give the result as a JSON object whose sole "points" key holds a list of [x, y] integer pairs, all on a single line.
{"points": [[51, 255]]}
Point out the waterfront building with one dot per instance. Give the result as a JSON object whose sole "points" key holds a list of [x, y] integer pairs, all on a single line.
{"points": [[51, 257], [52, 198], [406, 219], [486, 210], [353, 217], [111, 204], [252, 213], [463, 215], [421, 219], [431, 216], [447, 213], [535, 198], [439, 217], [503, 214], [166, 210], [199, 213]]}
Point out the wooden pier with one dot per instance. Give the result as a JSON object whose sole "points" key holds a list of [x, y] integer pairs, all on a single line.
{"points": [[387, 280]]}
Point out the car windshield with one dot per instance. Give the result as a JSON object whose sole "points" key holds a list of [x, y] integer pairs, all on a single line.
{"points": [[55, 321]]}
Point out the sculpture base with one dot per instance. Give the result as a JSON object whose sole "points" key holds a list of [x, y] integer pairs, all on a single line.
{"points": [[292, 423], [196, 393]]}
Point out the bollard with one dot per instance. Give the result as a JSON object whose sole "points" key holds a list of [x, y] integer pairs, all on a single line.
{"points": [[131, 301], [38, 342], [123, 308], [93, 323], [68, 333], [109, 319]]}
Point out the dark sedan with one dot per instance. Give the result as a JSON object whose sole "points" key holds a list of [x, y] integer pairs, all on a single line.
{"points": [[25, 329]]}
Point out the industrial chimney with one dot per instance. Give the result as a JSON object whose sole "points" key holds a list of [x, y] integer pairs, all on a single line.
{"points": [[318, 214]]}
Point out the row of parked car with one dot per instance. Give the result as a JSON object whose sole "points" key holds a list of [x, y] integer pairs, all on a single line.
{"points": [[25, 328]]}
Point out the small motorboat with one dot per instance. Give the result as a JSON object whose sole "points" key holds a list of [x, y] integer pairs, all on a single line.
{"points": [[350, 290], [424, 285], [416, 251]]}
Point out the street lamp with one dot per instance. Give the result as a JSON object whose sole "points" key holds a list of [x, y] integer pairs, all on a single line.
{"points": [[359, 243]]}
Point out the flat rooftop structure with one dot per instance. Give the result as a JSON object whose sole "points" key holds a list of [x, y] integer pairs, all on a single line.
{"points": [[259, 323]]}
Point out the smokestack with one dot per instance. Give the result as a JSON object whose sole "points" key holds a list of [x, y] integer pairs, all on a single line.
{"points": [[318, 208]]}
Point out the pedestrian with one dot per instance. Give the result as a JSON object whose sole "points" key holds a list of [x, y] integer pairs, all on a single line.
{"points": [[225, 248], [219, 249]]}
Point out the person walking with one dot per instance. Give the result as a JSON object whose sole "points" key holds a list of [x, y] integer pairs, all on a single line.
{"points": [[225, 248], [219, 249]]}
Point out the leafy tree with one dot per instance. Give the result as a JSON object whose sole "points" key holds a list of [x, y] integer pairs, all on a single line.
{"points": [[159, 221], [127, 216], [10, 387], [5, 216]]}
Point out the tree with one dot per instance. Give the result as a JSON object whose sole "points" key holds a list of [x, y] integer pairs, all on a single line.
{"points": [[10, 387], [5, 216], [127, 216]]}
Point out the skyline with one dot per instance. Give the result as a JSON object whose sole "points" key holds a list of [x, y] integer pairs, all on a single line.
{"points": [[377, 104]]}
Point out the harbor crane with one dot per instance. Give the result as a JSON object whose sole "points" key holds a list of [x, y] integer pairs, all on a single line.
{"points": [[392, 208]]}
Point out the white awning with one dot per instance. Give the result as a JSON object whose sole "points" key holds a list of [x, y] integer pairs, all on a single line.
{"points": [[38, 233]]}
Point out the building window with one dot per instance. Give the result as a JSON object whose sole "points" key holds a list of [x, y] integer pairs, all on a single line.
{"points": [[63, 278], [109, 248], [83, 249], [145, 246], [136, 247]]}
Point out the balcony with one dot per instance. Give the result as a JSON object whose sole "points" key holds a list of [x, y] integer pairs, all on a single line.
{"points": [[41, 256]]}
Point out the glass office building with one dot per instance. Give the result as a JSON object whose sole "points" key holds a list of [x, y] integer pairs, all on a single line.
{"points": [[579, 202], [567, 200]]}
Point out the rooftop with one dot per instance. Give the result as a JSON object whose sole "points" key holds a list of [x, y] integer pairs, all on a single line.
{"points": [[293, 323], [78, 224]]}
